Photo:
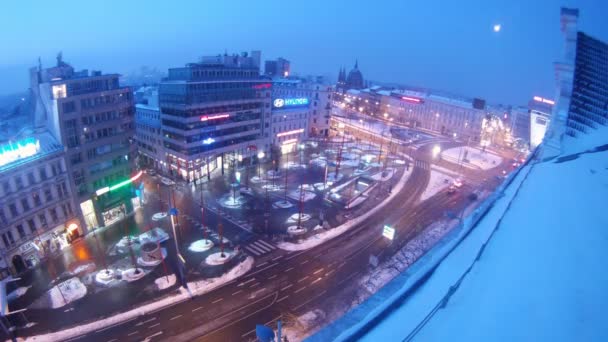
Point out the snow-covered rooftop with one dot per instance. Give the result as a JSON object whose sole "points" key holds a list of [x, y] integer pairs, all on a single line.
{"points": [[531, 269]]}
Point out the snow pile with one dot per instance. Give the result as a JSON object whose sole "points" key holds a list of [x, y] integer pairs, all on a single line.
{"points": [[474, 157], [165, 282], [438, 182], [323, 236], [18, 292], [201, 245], [282, 204], [217, 258], [198, 288], [61, 294], [159, 216], [295, 195], [133, 274]]}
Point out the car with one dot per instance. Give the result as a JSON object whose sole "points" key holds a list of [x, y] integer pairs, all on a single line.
{"points": [[167, 181], [451, 189]]}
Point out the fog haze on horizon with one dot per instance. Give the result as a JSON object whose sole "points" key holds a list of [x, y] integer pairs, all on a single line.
{"points": [[433, 44]]}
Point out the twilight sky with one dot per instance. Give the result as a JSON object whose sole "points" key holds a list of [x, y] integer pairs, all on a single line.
{"points": [[441, 44]]}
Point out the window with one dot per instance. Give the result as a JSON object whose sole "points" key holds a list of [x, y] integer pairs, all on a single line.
{"points": [[37, 201], [20, 231], [42, 219], [54, 216], [69, 107], [10, 237], [32, 225], [19, 182], [13, 209], [64, 189], [2, 216], [5, 239], [30, 178], [25, 204], [6, 186], [42, 171], [75, 158], [48, 195]]}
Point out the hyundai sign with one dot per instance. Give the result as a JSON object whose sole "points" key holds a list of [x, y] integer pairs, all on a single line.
{"points": [[292, 102]]}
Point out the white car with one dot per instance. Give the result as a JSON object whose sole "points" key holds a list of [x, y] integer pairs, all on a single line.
{"points": [[167, 181]]}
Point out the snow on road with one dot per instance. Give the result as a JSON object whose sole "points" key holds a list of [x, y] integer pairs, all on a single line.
{"points": [[438, 182], [475, 158]]}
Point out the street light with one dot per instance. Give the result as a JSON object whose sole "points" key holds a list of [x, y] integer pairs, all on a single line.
{"points": [[436, 151], [261, 154]]}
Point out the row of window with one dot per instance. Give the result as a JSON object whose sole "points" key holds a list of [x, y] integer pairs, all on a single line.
{"points": [[33, 177], [34, 200], [210, 123], [211, 110], [36, 224], [212, 146], [212, 134]]}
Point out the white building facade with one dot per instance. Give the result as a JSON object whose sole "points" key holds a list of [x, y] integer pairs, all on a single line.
{"points": [[37, 214]]}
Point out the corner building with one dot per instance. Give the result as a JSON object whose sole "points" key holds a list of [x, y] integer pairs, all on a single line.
{"points": [[92, 116], [214, 113]]}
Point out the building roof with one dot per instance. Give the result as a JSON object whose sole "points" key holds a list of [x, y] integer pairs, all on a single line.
{"points": [[20, 152]]}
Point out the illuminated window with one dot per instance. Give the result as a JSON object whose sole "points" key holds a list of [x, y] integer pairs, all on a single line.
{"points": [[59, 91]]}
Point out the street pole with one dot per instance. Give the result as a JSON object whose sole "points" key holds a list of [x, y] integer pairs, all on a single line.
{"points": [[286, 168]]}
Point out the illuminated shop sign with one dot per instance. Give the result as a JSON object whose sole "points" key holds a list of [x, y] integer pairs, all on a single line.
{"points": [[295, 131], [214, 117], [116, 186], [262, 86], [14, 151], [289, 142], [293, 102], [543, 100], [411, 99], [208, 141]]}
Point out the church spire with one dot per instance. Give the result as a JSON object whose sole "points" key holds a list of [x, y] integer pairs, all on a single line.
{"points": [[356, 63]]}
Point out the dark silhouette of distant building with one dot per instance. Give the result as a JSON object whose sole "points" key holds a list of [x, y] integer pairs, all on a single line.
{"points": [[355, 78]]}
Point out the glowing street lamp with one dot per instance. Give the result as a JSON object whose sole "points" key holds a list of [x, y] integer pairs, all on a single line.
{"points": [[436, 150], [261, 154]]}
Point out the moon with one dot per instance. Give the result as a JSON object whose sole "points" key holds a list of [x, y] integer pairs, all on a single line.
{"points": [[497, 28]]}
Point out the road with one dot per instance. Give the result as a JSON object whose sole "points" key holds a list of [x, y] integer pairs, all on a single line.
{"points": [[283, 284]]}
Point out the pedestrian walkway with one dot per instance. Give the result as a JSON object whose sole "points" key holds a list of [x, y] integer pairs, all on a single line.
{"points": [[259, 247], [422, 164]]}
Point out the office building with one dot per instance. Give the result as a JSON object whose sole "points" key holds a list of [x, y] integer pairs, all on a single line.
{"points": [[148, 129], [581, 88], [213, 113], [92, 116], [277, 68]]}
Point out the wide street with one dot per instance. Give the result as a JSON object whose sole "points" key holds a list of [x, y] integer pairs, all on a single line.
{"points": [[283, 284]]}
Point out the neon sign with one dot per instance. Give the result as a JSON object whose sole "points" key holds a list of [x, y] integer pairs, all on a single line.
{"points": [[262, 86], [295, 131], [116, 186], [214, 117], [543, 100], [18, 150], [289, 142], [411, 99], [298, 101], [208, 141]]}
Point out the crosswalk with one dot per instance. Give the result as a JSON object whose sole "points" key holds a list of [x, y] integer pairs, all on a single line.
{"points": [[422, 164], [259, 247]]}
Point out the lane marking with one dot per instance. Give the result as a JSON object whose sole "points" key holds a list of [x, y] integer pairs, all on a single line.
{"points": [[144, 322], [217, 300], [289, 269], [303, 262], [200, 307], [254, 285], [318, 279], [272, 276], [133, 333], [264, 243], [153, 325], [301, 280], [282, 299], [310, 300], [317, 271], [286, 287], [246, 282], [299, 290], [175, 317], [237, 292], [153, 335], [277, 258], [260, 265]]}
